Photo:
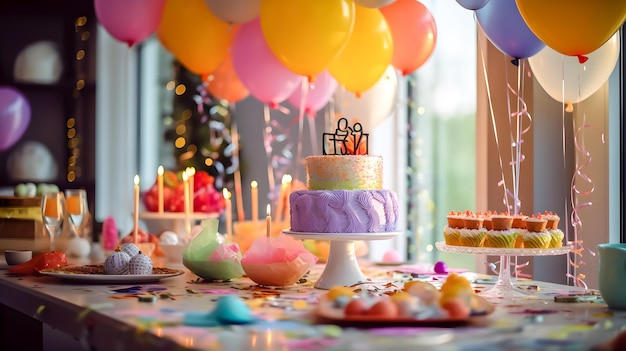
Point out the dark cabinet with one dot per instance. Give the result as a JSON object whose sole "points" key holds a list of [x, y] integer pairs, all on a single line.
{"points": [[48, 53]]}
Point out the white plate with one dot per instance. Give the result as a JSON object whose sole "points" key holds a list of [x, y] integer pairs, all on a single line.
{"points": [[112, 278], [342, 236], [496, 251]]}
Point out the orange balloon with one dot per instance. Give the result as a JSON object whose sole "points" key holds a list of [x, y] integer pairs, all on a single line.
{"points": [[223, 83], [573, 27], [414, 34], [190, 32]]}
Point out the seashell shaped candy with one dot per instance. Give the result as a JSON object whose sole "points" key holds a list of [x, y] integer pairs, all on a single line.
{"points": [[140, 264], [117, 262], [130, 248]]}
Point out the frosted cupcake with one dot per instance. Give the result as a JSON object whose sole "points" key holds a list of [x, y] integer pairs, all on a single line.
{"points": [[519, 221], [536, 235], [552, 226], [501, 236], [473, 232], [452, 232]]}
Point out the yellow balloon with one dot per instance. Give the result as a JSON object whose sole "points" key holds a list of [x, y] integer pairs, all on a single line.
{"points": [[306, 35], [190, 32], [573, 27], [368, 53]]}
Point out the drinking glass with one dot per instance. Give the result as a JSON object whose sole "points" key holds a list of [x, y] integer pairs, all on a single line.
{"points": [[53, 214], [76, 207]]}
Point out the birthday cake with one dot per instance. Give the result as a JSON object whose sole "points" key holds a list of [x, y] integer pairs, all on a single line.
{"points": [[344, 189]]}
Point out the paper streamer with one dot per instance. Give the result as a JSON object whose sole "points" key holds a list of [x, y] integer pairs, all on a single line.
{"points": [[586, 188]]}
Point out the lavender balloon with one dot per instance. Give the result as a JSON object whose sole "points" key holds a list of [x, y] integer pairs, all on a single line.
{"points": [[473, 4], [14, 116], [506, 29]]}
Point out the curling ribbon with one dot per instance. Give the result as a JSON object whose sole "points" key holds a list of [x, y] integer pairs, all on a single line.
{"points": [[575, 255]]}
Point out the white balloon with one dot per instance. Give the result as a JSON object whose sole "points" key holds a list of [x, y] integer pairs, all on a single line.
{"points": [[235, 11], [373, 106], [374, 4], [566, 80]]}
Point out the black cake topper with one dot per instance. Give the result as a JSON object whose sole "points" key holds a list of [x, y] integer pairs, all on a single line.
{"points": [[346, 140]]}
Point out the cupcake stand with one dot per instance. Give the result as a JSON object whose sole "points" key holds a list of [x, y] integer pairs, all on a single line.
{"points": [[342, 268], [504, 286]]}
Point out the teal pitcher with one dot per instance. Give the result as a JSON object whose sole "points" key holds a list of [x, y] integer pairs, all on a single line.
{"points": [[612, 274]]}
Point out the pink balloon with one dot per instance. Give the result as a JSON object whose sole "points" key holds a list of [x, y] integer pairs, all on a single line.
{"points": [[267, 79], [14, 116], [318, 94], [129, 21]]}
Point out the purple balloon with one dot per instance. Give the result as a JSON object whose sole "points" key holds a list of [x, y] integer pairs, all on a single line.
{"points": [[504, 26], [473, 4], [318, 95], [265, 77], [14, 116]]}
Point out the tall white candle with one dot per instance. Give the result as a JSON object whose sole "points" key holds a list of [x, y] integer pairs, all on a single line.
{"points": [[191, 174], [287, 194], [160, 172], [187, 209], [281, 198], [229, 213], [268, 222], [136, 210], [254, 194]]}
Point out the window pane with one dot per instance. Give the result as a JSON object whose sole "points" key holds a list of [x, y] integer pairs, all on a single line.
{"points": [[442, 138]]}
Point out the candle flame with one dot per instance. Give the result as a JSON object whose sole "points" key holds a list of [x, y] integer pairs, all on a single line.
{"points": [[191, 171], [286, 179], [136, 179], [254, 184], [185, 176], [269, 209], [160, 170], [226, 193]]}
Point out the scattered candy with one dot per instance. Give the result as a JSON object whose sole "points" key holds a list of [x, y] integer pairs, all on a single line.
{"points": [[440, 267]]}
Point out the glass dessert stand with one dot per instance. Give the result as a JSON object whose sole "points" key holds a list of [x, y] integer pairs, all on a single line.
{"points": [[342, 268], [504, 286]]}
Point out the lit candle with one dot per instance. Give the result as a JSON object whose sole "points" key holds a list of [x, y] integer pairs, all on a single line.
{"points": [[287, 193], [281, 197], [268, 221], [254, 194], [229, 213], [160, 187], [191, 174], [186, 195], [136, 210], [241, 214]]}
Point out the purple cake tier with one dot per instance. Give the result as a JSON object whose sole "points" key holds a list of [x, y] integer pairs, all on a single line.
{"points": [[343, 211]]}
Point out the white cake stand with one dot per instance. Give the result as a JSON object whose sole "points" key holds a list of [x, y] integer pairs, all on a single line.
{"points": [[504, 286], [342, 268]]}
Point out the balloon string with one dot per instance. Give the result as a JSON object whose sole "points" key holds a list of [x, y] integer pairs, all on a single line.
{"points": [[267, 143], [521, 112], [301, 112], [502, 182]]}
